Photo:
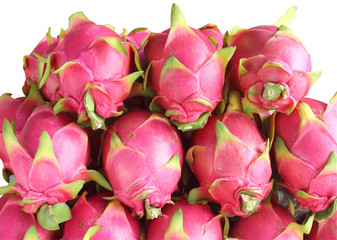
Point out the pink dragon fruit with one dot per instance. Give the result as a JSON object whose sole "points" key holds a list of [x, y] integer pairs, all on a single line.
{"points": [[49, 159], [96, 218], [186, 71], [16, 224], [305, 152], [149, 147], [271, 222], [94, 71], [270, 67], [326, 229], [231, 160], [214, 34], [136, 37], [185, 221], [37, 63], [16, 110]]}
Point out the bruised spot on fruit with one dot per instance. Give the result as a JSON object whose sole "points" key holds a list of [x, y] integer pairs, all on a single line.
{"points": [[174, 139], [132, 135], [92, 221], [82, 224]]}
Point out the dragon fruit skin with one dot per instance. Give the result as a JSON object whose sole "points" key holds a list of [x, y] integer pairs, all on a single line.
{"points": [[150, 148], [185, 221], [8, 108], [231, 160], [115, 220], [270, 67], [14, 223], [40, 158], [305, 152], [93, 68], [325, 229], [34, 67], [16, 110], [186, 71], [271, 222], [213, 33], [136, 37]]}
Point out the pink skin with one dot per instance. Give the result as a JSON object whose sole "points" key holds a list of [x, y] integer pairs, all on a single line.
{"points": [[162, 45], [268, 223], [311, 147], [265, 40], [150, 141], [18, 110], [42, 181], [80, 35], [136, 39], [199, 222], [236, 165], [325, 229], [8, 110], [116, 220], [44, 49], [195, 74], [93, 61], [213, 31], [14, 222], [268, 44]]}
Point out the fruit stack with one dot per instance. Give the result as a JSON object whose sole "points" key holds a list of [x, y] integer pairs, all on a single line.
{"points": [[184, 134]]}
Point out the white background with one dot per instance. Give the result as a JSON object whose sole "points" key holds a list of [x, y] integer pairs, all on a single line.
{"points": [[24, 23]]}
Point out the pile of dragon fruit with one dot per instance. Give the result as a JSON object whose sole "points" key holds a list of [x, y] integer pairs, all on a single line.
{"points": [[190, 133]]}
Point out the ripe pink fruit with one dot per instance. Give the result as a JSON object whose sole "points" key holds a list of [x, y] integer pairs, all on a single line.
{"points": [[271, 222], [14, 223], [16, 110], [100, 219], [231, 160], [8, 110], [94, 71], [305, 152], [142, 158], [37, 63], [186, 71], [326, 229], [270, 67], [213, 33], [185, 221], [47, 158], [136, 37]]}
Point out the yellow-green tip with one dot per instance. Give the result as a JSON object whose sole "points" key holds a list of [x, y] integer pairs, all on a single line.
{"points": [[177, 17], [287, 18]]}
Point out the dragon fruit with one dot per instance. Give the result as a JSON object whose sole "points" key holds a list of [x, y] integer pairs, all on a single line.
{"points": [[94, 71], [326, 229], [35, 66], [271, 222], [16, 110], [185, 221], [49, 159], [8, 109], [149, 148], [231, 160], [305, 152], [16, 224], [270, 67], [136, 37], [97, 218], [186, 71], [214, 34]]}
